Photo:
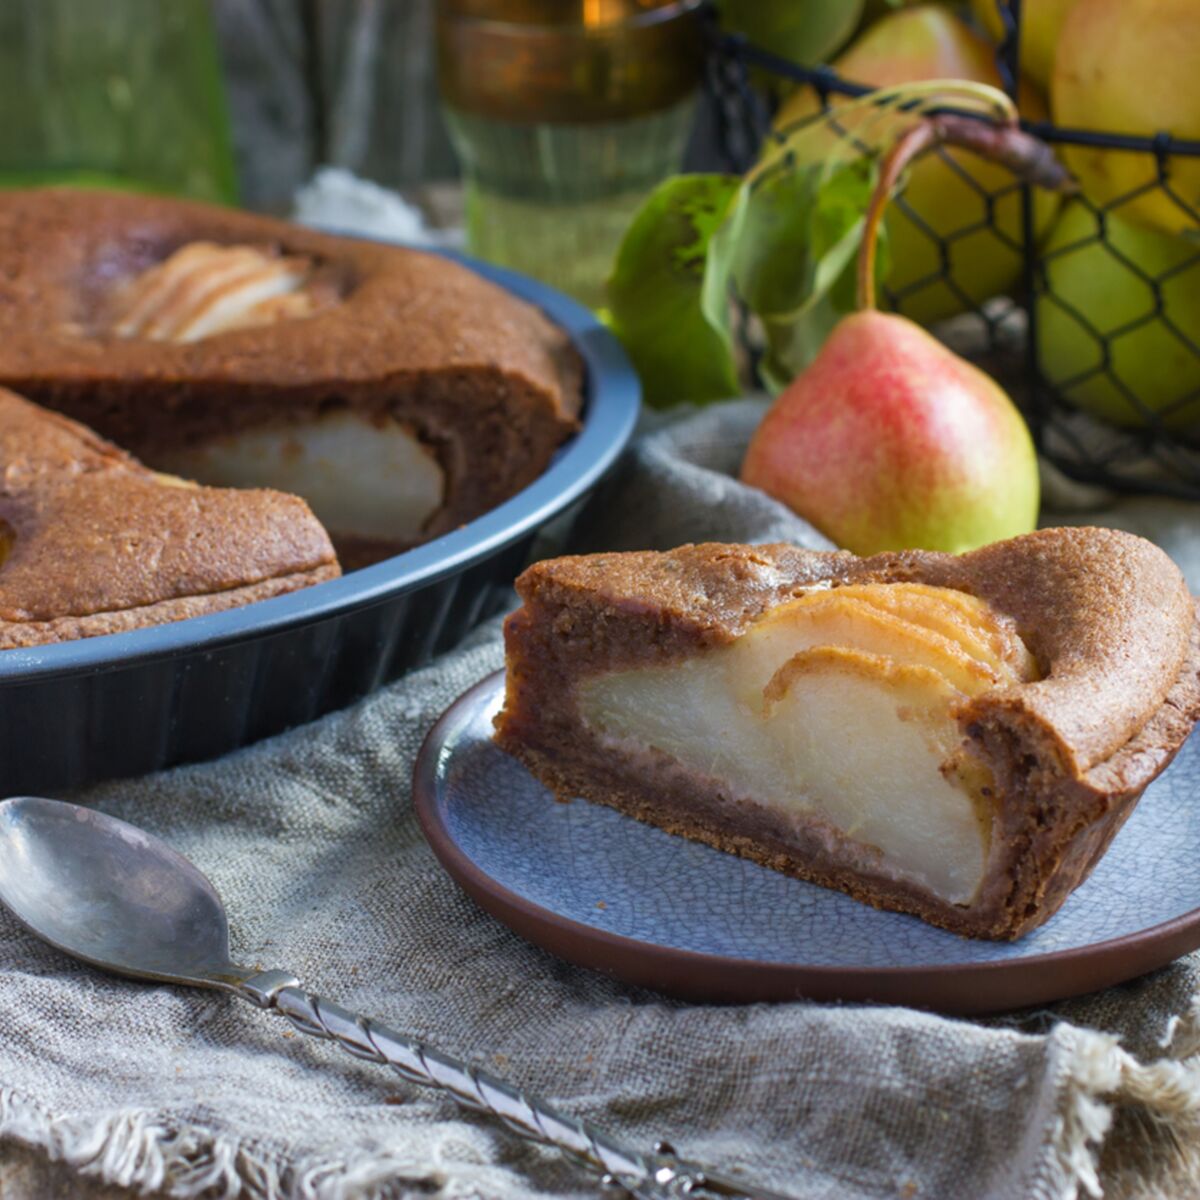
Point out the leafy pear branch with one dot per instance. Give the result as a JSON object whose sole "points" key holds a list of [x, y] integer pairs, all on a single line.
{"points": [[785, 238]]}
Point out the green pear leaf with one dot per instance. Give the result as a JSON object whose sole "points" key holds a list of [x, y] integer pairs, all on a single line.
{"points": [[683, 350], [783, 240], [797, 254]]}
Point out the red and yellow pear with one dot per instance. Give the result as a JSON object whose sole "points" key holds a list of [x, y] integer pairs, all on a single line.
{"points": [[888, 440]]}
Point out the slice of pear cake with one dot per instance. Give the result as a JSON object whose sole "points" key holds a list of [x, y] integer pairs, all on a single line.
{"points": [[957, 737]]}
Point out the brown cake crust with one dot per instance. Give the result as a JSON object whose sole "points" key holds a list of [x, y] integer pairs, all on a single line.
{"points": [[481, 377], [96, 543], [1106, 614]]}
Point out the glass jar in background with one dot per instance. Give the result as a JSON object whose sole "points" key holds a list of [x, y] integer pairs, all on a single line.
{"points": [[114, 93], [564, 114]]}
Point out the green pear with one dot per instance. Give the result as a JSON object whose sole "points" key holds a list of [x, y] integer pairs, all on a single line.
{"points": [[1133, 67], [946, 201], [1098, 292]]}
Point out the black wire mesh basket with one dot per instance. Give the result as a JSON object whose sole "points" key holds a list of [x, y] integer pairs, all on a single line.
{"points": [[1096, 331]]}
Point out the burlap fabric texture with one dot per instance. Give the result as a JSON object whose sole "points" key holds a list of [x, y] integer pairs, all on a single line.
{"points": [[312, 841]]}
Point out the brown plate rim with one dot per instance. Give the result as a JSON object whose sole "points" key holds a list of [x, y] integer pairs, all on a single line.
{"points": [[960, 989]]}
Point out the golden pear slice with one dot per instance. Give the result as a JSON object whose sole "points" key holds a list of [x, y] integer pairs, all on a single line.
{"points": [[204, 289], [843, 618], [895, 788], [361, 474], [963, 618]]}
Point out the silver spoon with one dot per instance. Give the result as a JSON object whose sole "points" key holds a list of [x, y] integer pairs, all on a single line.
{"points": [[110, 894]]}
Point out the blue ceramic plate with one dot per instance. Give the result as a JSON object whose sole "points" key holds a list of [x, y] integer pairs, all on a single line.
{"points": [[605, 891]]}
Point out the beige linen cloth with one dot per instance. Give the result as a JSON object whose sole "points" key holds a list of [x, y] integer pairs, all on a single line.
{"points": [[312, 840]]}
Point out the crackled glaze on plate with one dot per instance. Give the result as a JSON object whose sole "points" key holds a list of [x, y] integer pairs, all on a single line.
{"points": [[604, 890]]}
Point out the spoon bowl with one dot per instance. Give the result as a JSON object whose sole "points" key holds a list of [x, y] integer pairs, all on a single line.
{"points": [[110, 894]]}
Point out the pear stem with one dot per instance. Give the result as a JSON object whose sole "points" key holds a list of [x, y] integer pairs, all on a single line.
{"points": [[1023, 154]]}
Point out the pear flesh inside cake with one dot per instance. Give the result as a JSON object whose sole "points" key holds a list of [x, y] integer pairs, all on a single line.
{"points": [[203, 289], [362, 474], [838, 710]]}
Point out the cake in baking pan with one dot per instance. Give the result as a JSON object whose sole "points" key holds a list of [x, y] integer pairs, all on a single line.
{"points": [[395, 390], [92, 542]]}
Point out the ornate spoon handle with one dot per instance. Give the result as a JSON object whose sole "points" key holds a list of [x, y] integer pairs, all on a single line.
{"points": [[657, 1176]]}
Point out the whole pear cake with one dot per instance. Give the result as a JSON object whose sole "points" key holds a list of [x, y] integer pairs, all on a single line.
{"points": [[954, 736]]}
